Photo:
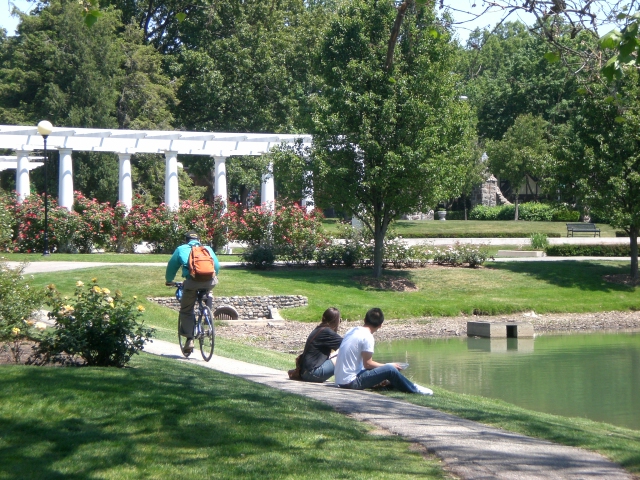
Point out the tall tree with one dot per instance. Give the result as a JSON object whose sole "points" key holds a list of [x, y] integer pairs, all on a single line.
{"points": [[522, 152], [390, 138], [598, 157]]}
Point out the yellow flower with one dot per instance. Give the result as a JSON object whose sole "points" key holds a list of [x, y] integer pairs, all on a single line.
{"points": [[140, 308], [68, 308], [112, 305], [30, 322], [41, 325], [79, 284], [15, 330], [94, 279], [51, 286], [135, 297], [106, 291], [96, 289]]}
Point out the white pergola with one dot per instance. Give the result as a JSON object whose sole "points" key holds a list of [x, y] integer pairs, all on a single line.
{"points": [[220, 146]]}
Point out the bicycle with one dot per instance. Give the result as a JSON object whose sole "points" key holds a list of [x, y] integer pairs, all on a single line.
{"points": [[203, 329]]}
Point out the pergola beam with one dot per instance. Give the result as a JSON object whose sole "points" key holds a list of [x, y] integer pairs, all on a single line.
{"points": [[218, 145]]}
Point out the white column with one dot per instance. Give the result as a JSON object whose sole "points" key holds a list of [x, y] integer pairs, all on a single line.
{"points": [[220, 179], [268, 192], [65, 179], [171, 194], [307, 198], [22, 175], [125, 191]]}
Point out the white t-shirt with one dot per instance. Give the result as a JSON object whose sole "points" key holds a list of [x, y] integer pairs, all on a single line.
{"points": [[349, 361]]}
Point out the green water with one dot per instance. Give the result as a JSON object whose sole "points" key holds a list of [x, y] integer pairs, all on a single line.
{"points": [[596, 376]]}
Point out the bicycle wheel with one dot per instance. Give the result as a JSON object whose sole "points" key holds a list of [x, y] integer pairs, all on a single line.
{"points": [[182, 340], [207, 334]]}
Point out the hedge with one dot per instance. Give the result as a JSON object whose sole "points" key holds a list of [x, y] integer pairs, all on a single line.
{"points": [[588, 250]]}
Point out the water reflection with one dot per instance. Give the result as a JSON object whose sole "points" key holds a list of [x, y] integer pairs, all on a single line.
{"points": [[596, 376], [521, 345]]}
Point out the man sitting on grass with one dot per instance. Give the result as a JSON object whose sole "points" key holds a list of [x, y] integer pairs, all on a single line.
{"points": [[355, 367]]}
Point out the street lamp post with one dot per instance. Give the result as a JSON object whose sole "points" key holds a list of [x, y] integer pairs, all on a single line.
{"points": [[45, 128]]}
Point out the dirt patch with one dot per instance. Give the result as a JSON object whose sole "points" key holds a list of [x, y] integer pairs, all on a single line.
{"points": [[622, 279], [396, 284]]}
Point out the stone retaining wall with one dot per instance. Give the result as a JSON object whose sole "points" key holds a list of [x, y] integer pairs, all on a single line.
{"points": [[247, 307]]}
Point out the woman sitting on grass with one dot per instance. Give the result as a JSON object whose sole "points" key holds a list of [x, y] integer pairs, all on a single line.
{"points": [[317, 363]]}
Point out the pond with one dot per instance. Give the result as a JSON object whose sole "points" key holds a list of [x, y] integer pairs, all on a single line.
{"points": [[596, 375]]}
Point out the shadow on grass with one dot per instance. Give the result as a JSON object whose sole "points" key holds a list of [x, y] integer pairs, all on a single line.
{"points": [[164, 420], [345, 277], [570, 274]]}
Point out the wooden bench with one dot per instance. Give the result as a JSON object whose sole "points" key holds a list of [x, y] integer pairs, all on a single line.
{"points": [[573, 228]]}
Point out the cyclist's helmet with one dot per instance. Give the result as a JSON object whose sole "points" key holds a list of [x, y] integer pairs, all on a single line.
{"points": [[191, 236]]}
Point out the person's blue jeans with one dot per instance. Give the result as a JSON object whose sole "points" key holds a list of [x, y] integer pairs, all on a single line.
{"points": [[319, 374], [370, 378]]}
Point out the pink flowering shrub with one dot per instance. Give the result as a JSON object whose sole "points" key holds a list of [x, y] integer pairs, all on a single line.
{"points": [[289, 231]]}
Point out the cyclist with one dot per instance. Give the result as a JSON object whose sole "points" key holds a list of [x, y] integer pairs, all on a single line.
{"points": [[179, 259]]}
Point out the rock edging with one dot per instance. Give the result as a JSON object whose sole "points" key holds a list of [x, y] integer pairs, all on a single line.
{"points": [[248, 307]]}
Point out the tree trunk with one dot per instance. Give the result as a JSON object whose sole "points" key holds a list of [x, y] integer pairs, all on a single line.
{"points": [[633, 242], [378, 250], [395, 31], [516, 217]]}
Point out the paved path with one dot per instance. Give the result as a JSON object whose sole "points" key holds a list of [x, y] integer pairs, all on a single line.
{"points": [[470, 450]]}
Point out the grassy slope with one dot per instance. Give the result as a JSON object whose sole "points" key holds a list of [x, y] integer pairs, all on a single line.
{"points": [[162, 419], [499, 288], [576, 286]]}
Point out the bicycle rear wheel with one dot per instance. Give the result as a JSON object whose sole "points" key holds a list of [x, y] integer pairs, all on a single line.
{"points": [[207, 335], [182, 340]]}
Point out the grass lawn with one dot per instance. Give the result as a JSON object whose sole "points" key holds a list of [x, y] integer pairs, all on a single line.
{"points": [[166, 420], [477, 228], [499, 288], [158, 434]]}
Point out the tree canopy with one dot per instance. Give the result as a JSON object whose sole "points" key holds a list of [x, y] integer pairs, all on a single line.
{"points": [[391, 141]]}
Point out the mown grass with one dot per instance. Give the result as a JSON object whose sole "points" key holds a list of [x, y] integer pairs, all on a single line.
{"points": [[572, 286], [163, 419], [470, 228], [499, 288]]}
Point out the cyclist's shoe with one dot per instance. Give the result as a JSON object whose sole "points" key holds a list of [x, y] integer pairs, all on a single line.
{"points": [[188, 348]]}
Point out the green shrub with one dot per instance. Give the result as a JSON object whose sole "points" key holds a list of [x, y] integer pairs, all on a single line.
{"points": [[562, 213], [539, 241], [461, 254], [535, 212], [259, 256], [18, 304], [589, 250], [102, 329], [455, 215], [7, 221]]}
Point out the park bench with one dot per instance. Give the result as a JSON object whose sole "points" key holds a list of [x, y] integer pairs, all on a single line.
{"points": [[573, 228]]}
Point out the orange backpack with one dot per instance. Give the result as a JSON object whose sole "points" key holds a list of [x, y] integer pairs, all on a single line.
{"points": [[201, 266]]}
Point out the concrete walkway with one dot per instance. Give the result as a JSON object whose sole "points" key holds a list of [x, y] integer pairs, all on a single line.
{"points": [[469, 449]]}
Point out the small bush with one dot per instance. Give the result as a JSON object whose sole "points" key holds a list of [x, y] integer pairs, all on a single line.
{"points": [[102, 329], [565, 214], [455, 215], [459, 254], [18, 303], [589, 250], [539, 241], [535, 212], [259, 256]]}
